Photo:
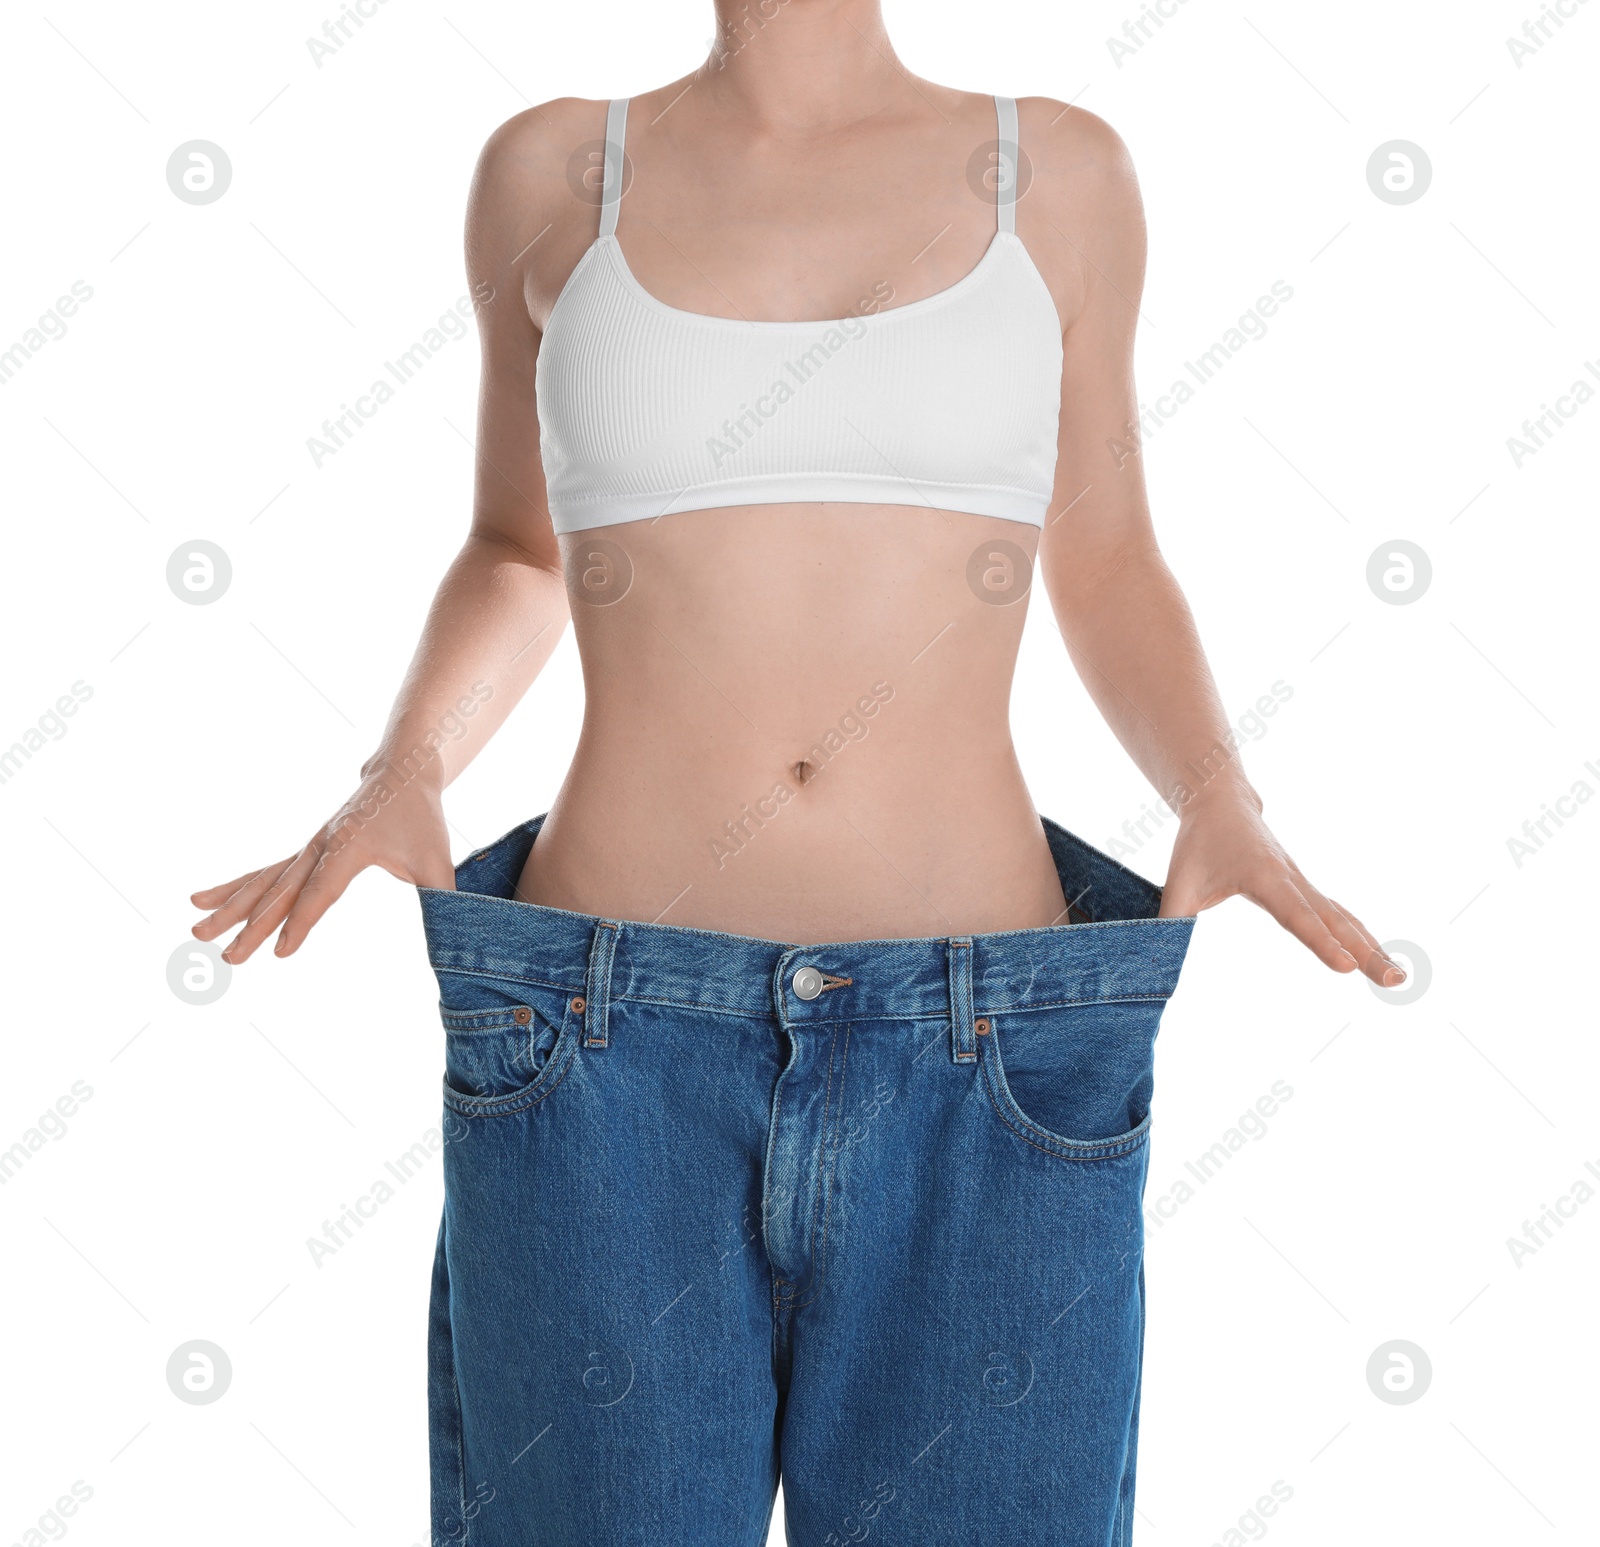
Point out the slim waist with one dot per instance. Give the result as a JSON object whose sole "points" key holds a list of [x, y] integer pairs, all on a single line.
{"points": [[1120, 950]]}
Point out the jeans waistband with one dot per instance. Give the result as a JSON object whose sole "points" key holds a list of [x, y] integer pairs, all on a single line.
{"points": [[1123, 951]]}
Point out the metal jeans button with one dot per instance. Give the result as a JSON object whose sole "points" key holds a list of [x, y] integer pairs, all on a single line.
{"points": [[807, 982]]}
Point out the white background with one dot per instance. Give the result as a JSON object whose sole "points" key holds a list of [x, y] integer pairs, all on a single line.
{"points": [[1417, 740]]}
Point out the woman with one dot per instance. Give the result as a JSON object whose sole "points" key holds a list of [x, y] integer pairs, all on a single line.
{"points": [[798, 1072]]}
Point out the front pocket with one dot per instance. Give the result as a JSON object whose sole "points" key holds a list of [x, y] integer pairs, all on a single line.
{"points": [[506, 1044], [1074, 1080]]}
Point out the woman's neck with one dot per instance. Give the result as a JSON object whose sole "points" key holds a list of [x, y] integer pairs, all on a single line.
{"points": [[800, 67]]}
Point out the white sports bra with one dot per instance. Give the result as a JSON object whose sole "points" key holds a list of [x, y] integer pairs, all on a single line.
{"points": [[950, 402]]}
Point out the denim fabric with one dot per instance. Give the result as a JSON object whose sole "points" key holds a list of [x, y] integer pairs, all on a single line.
{"points": [[700, 1229]]}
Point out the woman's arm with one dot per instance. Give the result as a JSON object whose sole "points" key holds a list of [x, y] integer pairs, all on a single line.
{"points": [[501, 607], [1126, 624]]}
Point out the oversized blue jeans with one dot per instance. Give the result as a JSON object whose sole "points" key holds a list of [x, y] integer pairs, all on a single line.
{"points": [[864, 1214]]}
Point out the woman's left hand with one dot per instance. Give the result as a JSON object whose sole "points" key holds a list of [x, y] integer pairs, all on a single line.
{"points": [[1224, 849]]}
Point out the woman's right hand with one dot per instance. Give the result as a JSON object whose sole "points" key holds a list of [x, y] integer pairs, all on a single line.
{"points": [[398, 826]]}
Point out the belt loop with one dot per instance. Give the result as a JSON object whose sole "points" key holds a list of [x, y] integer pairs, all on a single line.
{"points": [[597, 991], [963, 1037]]}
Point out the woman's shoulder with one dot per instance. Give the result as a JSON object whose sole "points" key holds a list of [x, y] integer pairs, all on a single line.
{"points": [[1076, 167], [1067, 153], [541, 149], [1066, 131], [535, 194]]}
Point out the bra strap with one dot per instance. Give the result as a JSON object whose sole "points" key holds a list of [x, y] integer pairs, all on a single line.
{"points": [[1005, 112], [611, 176]]}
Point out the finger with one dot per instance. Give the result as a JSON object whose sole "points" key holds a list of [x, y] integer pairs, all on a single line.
{"points": [[434, 869], [269, 911], [333, 874], [324, 886], [238, 904], [1183, 895], [1179, 899], [215, 896], [1170, 908], [1375, 962], [1287, 904], [1356, 938]]}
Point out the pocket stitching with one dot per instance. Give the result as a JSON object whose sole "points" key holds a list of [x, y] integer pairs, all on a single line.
{"points": [[556, 1068], [1057, 1145], [517, 1100], [472, 1021]]}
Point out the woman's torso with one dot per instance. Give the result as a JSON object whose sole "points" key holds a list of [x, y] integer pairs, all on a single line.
{"points": [[796, 722]]}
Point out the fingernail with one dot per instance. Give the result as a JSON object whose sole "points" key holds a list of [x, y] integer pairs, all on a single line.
{"points": [[1395, 976], [1345, 956]]}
